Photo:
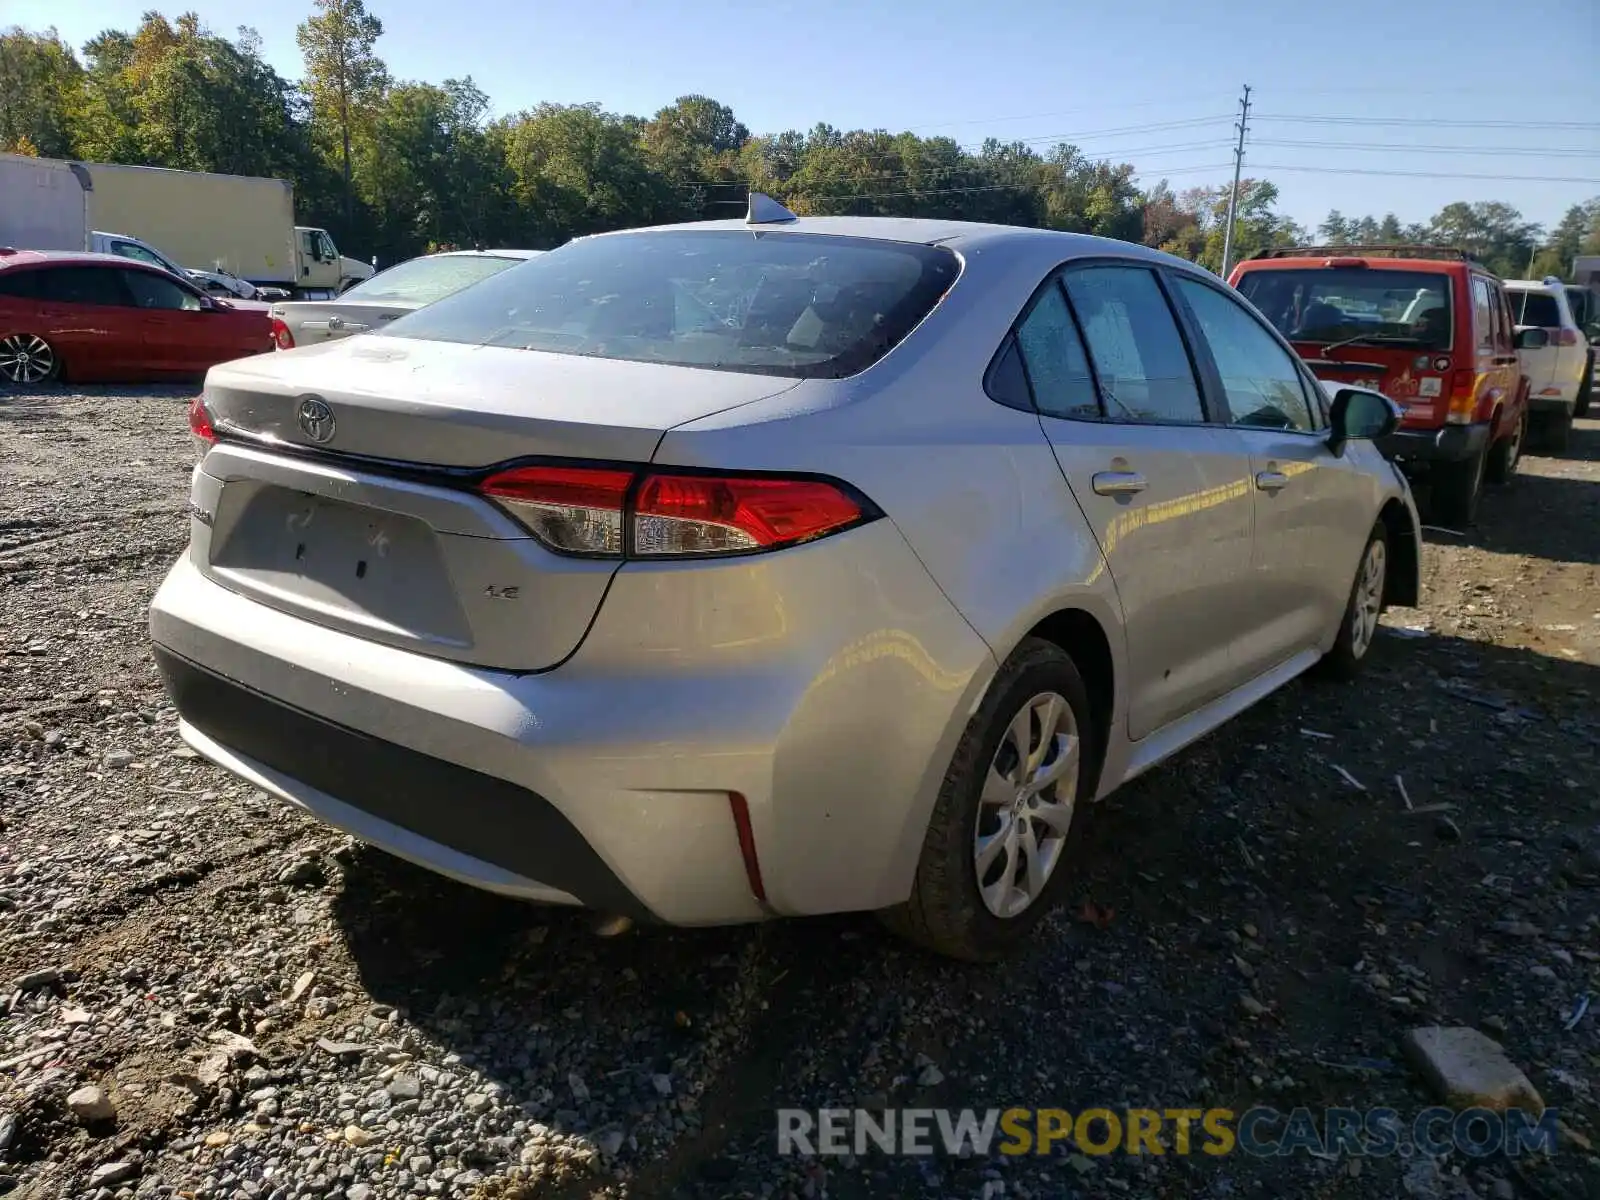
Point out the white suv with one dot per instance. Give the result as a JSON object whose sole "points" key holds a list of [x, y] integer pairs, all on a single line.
{"points": [[1559, 374]]}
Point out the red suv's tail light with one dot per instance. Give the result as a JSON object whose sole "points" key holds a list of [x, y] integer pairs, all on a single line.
{"points": [[281, 337], [617, 512]]}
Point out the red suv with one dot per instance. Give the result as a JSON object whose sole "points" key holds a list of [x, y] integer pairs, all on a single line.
{"points": [[99, 317], [1427, 326]]}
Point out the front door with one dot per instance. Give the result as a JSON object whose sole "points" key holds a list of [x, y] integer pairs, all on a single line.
{"points": [[176, 331], [1166, 491], [1313, 510]]}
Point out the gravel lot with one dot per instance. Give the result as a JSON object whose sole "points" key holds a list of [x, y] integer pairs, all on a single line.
{"points": [[269, 1010]]}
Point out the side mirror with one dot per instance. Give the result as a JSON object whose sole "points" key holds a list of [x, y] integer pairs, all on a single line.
{"points": [[1531, 337], [1360, 415]]}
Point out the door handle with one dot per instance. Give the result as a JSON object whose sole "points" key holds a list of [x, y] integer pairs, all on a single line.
{"points": [[1118, 483], [1271, 481]]}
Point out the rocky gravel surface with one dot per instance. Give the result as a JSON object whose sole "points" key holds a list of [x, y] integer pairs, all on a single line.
{"points": [[206, 995]]}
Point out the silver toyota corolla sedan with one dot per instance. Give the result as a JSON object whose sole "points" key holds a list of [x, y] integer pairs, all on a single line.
{"points": [[781, 566]]}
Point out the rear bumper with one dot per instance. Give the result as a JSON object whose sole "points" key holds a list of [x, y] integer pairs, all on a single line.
{"points": [[1447, 444], [827, 685]]}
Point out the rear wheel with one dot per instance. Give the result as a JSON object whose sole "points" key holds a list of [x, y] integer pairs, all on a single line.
{"points": [[1555, 431], [1585, 393], [1457, 487], [1507, 452], [993, 859], [27, 358]]}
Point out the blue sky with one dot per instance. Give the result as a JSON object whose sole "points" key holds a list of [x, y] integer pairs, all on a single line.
{"points": [[1471, 87]]}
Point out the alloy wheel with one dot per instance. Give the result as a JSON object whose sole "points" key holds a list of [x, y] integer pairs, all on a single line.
{"points": [[26, 358], [1368, 598], [1026, 806]]}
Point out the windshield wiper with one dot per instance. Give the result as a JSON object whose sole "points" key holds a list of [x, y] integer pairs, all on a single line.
{"points": [[1370, 339]]}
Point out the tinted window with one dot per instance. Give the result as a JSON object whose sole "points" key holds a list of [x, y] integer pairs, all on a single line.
{"points": [[1502, 320], [1482, 315], [1536, 308], [83, 285], [1260, 380], [424, 280], [773, 303], [19, 283], [1053, 354], [150, 290], [1006, 381], [1326, 304], [1138, 354]]}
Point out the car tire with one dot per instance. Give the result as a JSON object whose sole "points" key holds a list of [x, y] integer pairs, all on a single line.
{"points": [[1457, 488], [1507, 453], [27, 359], [1359, 627], [1580, 407], [965, 900], [1555, 432]]}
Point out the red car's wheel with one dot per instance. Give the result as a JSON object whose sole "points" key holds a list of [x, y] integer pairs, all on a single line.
{"points": [[28, 358]]}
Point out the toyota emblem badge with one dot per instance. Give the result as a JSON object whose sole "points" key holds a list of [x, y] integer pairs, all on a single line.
{"points": [[316, 419]]}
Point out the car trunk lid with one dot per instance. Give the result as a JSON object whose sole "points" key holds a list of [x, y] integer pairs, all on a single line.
{"points": [[380, 532], [1419, 380]]}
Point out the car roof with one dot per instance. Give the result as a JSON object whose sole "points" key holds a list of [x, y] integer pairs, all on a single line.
{"points": [[82, 258], [484, 254], [928, 231], [1534, 285]]}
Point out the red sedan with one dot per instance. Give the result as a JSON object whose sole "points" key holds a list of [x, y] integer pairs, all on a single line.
{"points": [[100, 317]]}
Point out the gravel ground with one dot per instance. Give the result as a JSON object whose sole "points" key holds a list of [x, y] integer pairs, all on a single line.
{"points": [[207, 995]]}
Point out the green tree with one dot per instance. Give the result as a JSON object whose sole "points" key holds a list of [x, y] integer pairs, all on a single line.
{"points": [[344, 79], [39, 81]]}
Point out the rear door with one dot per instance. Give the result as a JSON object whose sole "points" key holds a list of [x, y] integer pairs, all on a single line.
{"points": [[91, 321], [1166, 491], [1313, 510]]}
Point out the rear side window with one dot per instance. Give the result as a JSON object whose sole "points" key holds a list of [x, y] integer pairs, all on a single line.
{"points": [[83, 285], [1134, 343], [1536, 308], [21, 284], [773, 303], [1053, 354], [1482, 314]]}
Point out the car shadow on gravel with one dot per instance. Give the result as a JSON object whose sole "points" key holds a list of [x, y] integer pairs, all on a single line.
{"points": [[1281, 901]]}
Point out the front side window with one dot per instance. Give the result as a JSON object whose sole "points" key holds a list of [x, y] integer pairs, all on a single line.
{"points": [[1053, 355], [1134, 343], [773, 303], [84, 285], [1371, 305], [325, 248], [1262, 383], [150, 290]]}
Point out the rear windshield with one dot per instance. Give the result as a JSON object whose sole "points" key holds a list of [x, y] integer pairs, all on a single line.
{"points": [[1327, 304], [1535, 308], [794, 304], [424, 280]]}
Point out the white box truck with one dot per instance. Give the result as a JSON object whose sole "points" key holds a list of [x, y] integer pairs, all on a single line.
{"points": [[240, 224]]}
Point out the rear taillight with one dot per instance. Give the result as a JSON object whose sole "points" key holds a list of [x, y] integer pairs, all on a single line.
{"points": [[281, 337], [616, 512], [1463, 397], [200, 424]]}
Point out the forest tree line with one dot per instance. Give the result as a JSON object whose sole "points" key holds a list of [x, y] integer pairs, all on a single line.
{"points": [[397, 167]]}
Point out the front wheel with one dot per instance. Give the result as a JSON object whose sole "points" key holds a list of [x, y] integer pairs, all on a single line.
{"points": [[27, 358], [993, 858], [1457, 488], [1359, 628]]}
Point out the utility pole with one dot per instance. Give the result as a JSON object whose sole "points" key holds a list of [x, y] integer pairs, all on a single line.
{"points": [[1233, 196]]}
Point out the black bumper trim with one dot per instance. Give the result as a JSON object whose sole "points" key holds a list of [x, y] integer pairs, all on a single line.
{"points": [[1449, 443], [491, 819]]}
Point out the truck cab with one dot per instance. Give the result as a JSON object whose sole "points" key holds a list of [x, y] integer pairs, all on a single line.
{"points": [[321, 272]]}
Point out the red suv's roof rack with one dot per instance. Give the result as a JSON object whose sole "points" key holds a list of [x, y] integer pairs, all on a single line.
{"points": [[1451, 253]]}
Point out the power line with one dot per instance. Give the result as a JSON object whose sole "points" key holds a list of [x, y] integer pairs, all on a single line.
{"points": [[1427, 174], [1527, 151], [1067, 112], [995, 187], [1425, 122]]}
